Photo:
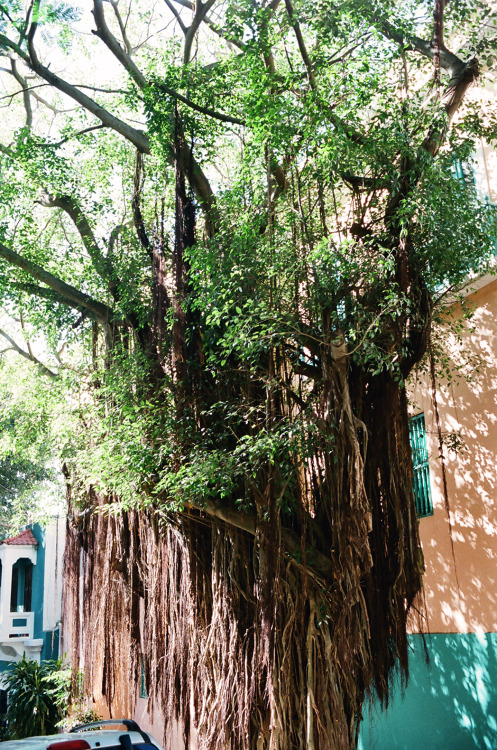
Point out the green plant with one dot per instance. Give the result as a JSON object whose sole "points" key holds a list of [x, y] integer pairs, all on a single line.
{"points": [[70, 697], [35, 698], [3, 728]]}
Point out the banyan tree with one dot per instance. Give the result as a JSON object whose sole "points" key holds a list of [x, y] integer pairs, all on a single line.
{"points": [[235, 222]]}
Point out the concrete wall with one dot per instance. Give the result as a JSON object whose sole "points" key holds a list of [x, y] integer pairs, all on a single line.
{"points": [[461, 572], [451, 702], [451, 699], [54, 558], [38, 581]]}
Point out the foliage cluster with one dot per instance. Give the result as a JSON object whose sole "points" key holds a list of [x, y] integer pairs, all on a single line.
{"points": [[43, 698], [30, 486], [38, 697]]}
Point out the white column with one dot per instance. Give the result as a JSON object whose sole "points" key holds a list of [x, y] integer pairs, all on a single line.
{"points": [[5, 595]]}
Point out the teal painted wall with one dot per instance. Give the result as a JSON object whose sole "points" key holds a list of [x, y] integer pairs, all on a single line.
{"points": [[449, 704], [50, 648], [38, 581]]}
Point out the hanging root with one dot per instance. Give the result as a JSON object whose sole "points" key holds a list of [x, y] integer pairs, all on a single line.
{"points": [[245, 645]]}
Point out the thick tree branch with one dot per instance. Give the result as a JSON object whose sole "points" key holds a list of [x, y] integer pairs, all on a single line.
{"points": [[105, 34], [300, 41], [66, 291], [197, 179], [451, 102], [137, 137], [135, 204], [410, 42], [461, 74], [438, 36], [25, 93], [187, 161], [201, 10], [316, 561], [51, 296], [100, 263], [195, 175]]}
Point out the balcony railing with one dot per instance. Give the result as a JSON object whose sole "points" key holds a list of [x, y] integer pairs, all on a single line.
{"points": [[18, 625]]}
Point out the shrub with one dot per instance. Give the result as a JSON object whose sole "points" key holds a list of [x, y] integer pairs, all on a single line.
{"points": [[35, 705]]}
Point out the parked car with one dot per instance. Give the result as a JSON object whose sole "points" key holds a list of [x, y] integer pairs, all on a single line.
{"points": [[95, 736]]}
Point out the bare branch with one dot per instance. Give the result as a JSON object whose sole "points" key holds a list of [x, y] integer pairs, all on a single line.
{"points": [[80, 132], [122, 26], [31, 90], [198, 107], [177, 16], [28, 355], [25, 93], [26, 338], [208, 21], [103, 91]]}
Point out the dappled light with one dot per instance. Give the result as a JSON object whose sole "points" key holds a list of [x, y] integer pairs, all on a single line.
{"points": [[461, 590], [454, 695], [452, 691]]}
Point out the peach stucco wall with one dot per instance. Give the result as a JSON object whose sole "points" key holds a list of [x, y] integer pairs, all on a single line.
{"points": [[461, 574]]}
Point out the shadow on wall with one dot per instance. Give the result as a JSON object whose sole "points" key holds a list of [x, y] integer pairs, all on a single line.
{"points": [[449, 703], [466, 602]]}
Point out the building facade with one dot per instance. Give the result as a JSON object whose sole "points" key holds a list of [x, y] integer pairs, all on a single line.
{"points": [[31, 594], [451, 697]]}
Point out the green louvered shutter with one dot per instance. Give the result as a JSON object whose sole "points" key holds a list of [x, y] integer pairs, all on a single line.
{"points": [[422, 492], [143, 683]]}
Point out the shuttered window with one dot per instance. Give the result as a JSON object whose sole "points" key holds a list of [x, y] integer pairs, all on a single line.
{"points": [[143, 683], [422, 492]]}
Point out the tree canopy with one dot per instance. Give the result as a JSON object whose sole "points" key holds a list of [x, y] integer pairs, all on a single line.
{"points": [[233, 223]]}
